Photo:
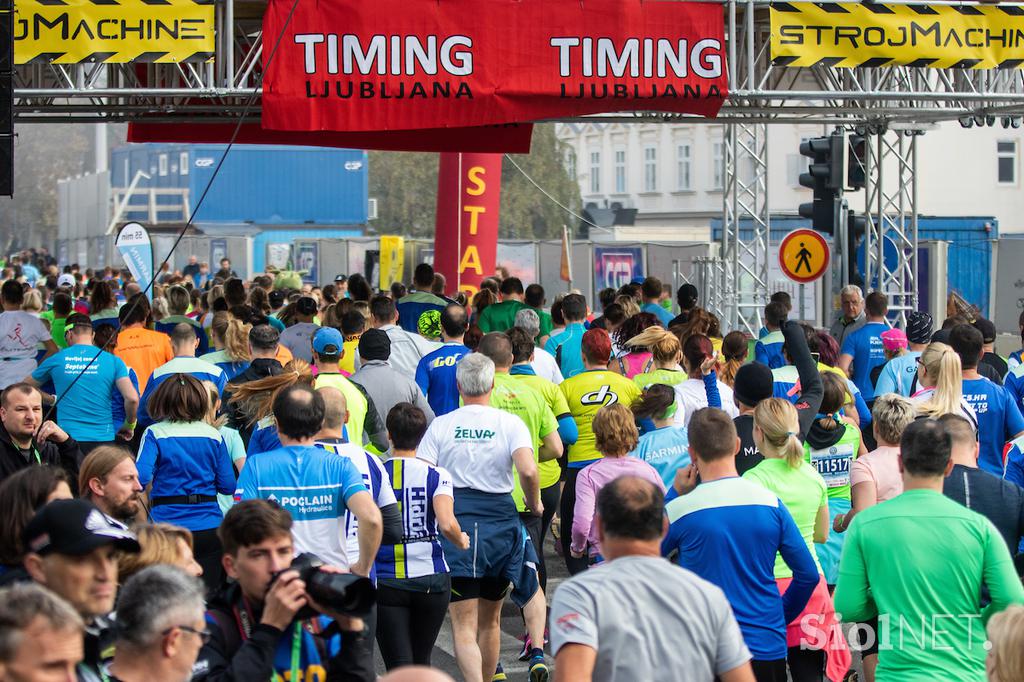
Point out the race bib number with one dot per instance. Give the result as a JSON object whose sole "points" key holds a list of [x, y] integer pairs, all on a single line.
{"points": [[833, 464]]}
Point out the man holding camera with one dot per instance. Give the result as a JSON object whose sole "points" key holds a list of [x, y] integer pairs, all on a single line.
{"points": [[319, 489], [255, 628]]}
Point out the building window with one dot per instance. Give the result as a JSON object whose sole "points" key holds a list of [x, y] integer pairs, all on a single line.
{"points": [[1006, 154], [684, 167], [717, 165], [620, 171], [162, 164], [595, 172], [570, 164], [650, 169], [795, 165], [183, 163]]}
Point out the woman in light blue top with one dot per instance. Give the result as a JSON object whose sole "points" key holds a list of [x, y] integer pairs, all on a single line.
{"points": [[233, 439], [664, 447]]}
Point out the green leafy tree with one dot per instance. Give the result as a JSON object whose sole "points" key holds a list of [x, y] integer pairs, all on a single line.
{"points": [[405, 186], [44, 154], [526, 213]]}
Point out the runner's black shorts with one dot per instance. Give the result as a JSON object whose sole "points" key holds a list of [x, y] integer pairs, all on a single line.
{"points": [[489, 588]]}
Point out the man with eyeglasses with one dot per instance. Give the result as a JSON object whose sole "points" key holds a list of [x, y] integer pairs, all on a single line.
{"points": [[161, 626]]}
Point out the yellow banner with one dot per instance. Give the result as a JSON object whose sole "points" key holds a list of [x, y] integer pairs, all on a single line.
{"points": [[874, 35], [115, 31], [392, 260]]}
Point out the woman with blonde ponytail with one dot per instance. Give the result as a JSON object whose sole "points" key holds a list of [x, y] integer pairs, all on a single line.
{"points": [[665, 355], [786, 472], [231, 340], [255, 400], [940, 385]]}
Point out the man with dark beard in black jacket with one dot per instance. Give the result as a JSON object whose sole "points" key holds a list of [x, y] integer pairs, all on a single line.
{"points": [[254, 632]]}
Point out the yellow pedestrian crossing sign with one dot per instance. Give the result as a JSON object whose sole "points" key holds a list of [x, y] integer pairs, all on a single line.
{"points": [[803, 255]]}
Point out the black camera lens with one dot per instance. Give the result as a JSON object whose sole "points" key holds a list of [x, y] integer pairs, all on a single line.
{"points": [[342, 592], [345, 593]]}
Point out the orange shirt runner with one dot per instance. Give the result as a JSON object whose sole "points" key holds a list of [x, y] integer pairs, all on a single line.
{"points": [[143, 350]]}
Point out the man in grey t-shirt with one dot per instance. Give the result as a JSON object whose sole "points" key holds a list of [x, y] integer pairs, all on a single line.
{"points": [[298, 337], [639, 617]]}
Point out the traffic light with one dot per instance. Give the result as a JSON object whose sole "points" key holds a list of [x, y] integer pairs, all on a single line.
{"points": [[856, 224], [6, 98], [826, 175], [855, 165]]}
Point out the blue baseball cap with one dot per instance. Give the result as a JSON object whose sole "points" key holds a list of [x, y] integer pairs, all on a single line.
{"points": [[328, 341]]}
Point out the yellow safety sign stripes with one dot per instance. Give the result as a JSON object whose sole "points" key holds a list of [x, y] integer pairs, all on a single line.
{"points": [[74, 31], [876, 35]]}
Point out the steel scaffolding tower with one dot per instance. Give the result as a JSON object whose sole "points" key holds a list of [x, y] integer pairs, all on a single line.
{"points": [[891, 206], [746, 219]]}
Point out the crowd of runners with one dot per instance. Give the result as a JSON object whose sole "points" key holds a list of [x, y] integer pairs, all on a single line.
{"points": [[227, 479]]}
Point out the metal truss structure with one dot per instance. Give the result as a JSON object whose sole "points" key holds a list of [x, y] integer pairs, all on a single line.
{"points": [[743, 277], [761, 93], [891, 207]]}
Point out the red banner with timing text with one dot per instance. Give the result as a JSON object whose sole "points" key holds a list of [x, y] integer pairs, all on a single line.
{"points": [[404, 65], [466, 239]]}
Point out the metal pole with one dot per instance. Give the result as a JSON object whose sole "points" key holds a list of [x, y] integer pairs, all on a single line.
{"points": [[913, 222], [883, 218], [229, 42]]}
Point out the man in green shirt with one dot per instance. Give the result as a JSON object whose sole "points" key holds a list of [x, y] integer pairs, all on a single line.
{"points": [[535, 300], [918, 562], [500, 317], [57, 317]]}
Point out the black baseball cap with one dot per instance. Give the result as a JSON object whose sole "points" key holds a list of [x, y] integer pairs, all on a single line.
{"points": [[341, 278], [987, 329], [374, 345], [75, 528]]}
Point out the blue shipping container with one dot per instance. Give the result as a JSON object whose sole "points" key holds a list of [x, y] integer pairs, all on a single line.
{"points": [[970, 248], [267, 185]]}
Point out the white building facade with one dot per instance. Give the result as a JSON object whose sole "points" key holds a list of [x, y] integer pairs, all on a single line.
{"points": [[673, 173]]}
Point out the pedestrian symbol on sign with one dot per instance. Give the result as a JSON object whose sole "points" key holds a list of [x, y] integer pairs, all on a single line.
{"points": [[802, 259], [803, 255]]}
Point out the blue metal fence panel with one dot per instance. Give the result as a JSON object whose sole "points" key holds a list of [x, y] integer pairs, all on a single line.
{"points": [[970, 248]]}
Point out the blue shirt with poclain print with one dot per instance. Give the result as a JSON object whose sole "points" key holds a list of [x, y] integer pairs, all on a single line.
{"points": [[865, 345]]}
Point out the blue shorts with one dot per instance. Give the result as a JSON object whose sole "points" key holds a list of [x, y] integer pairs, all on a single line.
{"points": [[499, 546]]}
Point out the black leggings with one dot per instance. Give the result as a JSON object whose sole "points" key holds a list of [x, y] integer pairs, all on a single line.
{"points": [[769, 671], [806, 665], [538, 529], [565, 511], [408, 621], [208, 552]]}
